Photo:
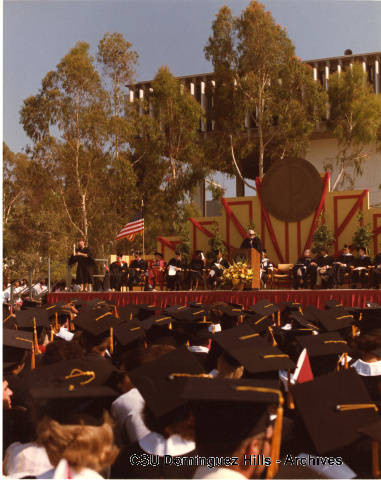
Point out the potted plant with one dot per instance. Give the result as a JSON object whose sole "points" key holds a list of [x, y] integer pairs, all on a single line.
{"points": [[363, 234]]}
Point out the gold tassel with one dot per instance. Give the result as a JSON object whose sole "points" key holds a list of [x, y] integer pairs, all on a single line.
{"points": [[187, 344], [111, 340], [56, 316], [204, 318], [32, 359], [354, 331], [116, 313], [37, 350], [130, 315], [240, 319], [278, 319], [375, 459], [51, 333], [276, 441], [11, 309], [272, 336], [345, 361], [170, 326], [290, 400]]}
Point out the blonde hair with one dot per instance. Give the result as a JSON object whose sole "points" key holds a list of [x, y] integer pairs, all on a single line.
{"points": [[83, 446]]}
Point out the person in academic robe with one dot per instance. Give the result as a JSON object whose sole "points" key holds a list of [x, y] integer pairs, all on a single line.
{"points": [[266, 267], [252, 241], [196, 268], [118, 273], [84, 259], [216, 270], [342, 265], [137, 271], [305, 269], [174, 269], [376, 272], [324, 268], [168, 418], [361, 268], [368, 365], [156, 272]]}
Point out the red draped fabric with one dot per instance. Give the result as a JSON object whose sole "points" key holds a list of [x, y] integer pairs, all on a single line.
{"points": [[357, 298]]}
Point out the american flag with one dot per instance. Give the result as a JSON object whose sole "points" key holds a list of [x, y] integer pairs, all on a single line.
{"points": [[134, 226]]}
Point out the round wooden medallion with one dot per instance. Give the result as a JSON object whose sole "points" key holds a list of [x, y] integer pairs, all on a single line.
{"points": [[291, 189]]}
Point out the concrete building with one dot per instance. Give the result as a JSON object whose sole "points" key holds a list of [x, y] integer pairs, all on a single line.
{"points": [[323, 147]]}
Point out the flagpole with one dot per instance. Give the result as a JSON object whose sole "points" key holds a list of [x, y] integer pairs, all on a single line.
{"points": [[143, 228]]}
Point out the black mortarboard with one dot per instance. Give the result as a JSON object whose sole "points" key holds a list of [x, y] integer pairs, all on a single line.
{"points": [[132, 331], [161, 382], [335, 319], [256, 354], [264, 308], [94, 324], [304, 321], [73, 387], [333, 407], [15, 343], [146, 311], [229, 411], [259, 323], [25, 318], [170, 309], [323, 344], [333, 303], [128, 312]]}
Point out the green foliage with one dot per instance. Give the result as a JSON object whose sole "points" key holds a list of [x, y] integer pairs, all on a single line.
{"points": [[216, 190], [323, 237], [363, 234], [355, 121], [216, 243], [258, 77], [94, 156]]}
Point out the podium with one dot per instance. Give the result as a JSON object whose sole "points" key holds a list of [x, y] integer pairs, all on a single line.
{"points": [[253, 259]]}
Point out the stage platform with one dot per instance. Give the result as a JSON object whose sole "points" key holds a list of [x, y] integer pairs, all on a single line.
{"points": [[353, 298]]}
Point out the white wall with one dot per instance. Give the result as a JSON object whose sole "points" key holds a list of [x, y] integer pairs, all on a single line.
{"points": [[323, 151]]}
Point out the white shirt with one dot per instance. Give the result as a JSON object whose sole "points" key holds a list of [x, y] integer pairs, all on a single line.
{"points": [[63, 470], [127, 411], [65, 334], [155, 444], [26, 459], [217, 472], [366, 369]]}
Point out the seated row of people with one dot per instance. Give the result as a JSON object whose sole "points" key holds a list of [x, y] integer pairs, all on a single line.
{"points": [[331, 271]]}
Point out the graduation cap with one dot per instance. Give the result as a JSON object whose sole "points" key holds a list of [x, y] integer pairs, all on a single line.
{"points": [[229, 411], [128, 333], [31, 317], [73, 387], [162, 381], [255, 353], [128, 312], [94, 324], [15, 344], [172, 309], [304, 322], [97, 328], [264, 307], [333, 303], [333, 408], [146, 311], [335, 319], [324, 344]]}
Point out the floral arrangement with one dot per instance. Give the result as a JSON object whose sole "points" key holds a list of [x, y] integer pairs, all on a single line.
{"points": [[238, 275]]}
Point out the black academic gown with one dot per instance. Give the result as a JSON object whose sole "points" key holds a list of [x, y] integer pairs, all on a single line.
{"points": [[252, 243], [118, 274], [85, 265]]}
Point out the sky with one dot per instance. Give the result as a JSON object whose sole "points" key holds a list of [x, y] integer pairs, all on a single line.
{"points": [[37, 34]]}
